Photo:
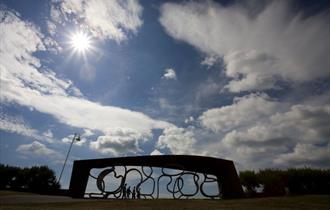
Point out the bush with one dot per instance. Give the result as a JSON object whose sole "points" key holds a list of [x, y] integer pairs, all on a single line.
{"points": [[250, 181], [280, 182], [273, 182], [8, 173], [38, 179], [308, 181]]}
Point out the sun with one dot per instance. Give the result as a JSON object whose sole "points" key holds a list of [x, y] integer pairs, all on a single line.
{"points": [[80, 42]]}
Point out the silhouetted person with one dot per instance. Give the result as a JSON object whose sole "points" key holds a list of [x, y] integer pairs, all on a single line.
{"points": [[124, 192], [138, 194], [128, 192], [133, 193]]}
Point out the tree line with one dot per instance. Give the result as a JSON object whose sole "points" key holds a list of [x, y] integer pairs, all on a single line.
{"points": [[38, 179], [275, 182]]}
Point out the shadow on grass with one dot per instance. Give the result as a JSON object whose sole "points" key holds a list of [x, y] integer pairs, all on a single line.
{"points": [[316, 202]]}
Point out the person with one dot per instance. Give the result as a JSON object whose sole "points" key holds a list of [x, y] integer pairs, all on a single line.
{"points": [[128, 192], [124, 191], [138, 194], [133, 193]]}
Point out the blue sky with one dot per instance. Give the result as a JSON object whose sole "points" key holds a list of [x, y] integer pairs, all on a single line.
{"points": [[247, 81]]}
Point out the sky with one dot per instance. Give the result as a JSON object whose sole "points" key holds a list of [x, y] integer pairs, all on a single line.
{"points": [[247, 81]]}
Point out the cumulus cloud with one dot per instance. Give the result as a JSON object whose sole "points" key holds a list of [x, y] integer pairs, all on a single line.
{"points": [[169, 74], [177, 140], [119, 142], [242, 112], [37, 149], [104, 19], [87, 134], [255, 128], [156, 152], [258, 50], [306, 155], [25, 82], [69, 138], [251, 70], [257, 131]]}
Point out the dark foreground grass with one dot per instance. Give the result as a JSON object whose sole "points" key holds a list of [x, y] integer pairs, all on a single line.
{"points": [[313, 202], [7, 192]]}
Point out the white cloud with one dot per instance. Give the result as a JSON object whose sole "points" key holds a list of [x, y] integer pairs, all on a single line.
{"points": [[306, 155], [307, 123], [19, 126], [56, 14], [104, 19], [242, 112], [156, 152], [18, 66], [189, 120], [84, 137], [25, 82], [51, 26], [48, 134], [119, 142], [258, 50], [82, 113], [87, 133], [52, 45], [178, 140], [169, 74], [15, 125], [251, 70], [210, 60], [257, 132], [69, 138], [37, 149]]}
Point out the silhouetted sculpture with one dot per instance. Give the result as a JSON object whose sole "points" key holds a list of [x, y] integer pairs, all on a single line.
{"points": [[202, 170]]}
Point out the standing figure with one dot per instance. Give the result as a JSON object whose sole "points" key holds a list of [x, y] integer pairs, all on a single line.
{"points": [[138, 194], [133, 193], [128, 192], [124, 191]]}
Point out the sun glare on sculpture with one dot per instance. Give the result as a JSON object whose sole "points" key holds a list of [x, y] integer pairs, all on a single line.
{"points": [[80, 42]]}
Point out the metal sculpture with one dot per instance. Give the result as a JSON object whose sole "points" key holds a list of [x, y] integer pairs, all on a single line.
{"points": [[202, 170], [176, 181]]}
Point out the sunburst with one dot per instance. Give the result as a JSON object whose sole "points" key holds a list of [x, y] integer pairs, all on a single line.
{"points": [[80, 42]]}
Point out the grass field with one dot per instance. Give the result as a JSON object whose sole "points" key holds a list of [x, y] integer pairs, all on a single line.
{"points": [[313, 202], [7, 192]]}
